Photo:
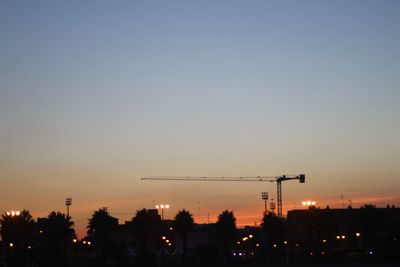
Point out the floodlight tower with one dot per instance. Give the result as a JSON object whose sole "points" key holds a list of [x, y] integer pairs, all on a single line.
{"points": [[68, 202], [162, 207], [272, 206], [264, 196]]}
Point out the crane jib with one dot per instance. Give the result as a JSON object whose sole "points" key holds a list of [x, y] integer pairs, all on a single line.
{"points": [[277, 179], [211, 179]]}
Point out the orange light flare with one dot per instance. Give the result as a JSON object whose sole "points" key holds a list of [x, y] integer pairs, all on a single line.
{"points": [[308, 203], [13, 213]]}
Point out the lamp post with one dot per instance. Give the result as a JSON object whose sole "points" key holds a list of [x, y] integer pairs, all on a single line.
{"points": [[264, 196], [162, 207], [308, 203]]}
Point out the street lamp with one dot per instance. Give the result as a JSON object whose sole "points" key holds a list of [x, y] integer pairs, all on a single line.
{"points": [[13, 213], [162, 207], [308, 203]]}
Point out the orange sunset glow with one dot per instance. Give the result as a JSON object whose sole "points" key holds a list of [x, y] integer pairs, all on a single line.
{"points": [[95, 96]]}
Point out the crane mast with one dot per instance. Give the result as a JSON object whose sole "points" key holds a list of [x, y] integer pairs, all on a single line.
{"points": [[277, 179]]}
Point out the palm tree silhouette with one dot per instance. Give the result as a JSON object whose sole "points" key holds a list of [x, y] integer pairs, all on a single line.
{"points": [[17, 229], [99, 229], [183, 224], [274, 228], [58, 230], [226, 227], [147, 227]]}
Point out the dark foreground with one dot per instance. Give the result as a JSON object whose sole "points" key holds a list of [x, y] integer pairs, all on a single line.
{"points": [[359, 264]]}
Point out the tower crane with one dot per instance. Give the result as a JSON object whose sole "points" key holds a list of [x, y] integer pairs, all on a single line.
{"points": [[277, 179]]}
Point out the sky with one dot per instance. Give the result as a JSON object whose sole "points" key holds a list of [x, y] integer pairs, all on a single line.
{"points": [[95, 95]]}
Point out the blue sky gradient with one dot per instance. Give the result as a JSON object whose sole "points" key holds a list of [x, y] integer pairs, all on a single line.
{"points": [[96, 94]]}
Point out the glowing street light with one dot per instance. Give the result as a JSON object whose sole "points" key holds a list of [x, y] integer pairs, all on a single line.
{"points": [[13, 213], [162, 207], [308, 203]]}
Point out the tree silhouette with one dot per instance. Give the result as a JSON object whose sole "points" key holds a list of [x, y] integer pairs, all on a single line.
{"points": [[226, 227], [183, 224], [17, 229], [99, 229], [58, 230], [275, 232], [146, 225], [274, 228]]}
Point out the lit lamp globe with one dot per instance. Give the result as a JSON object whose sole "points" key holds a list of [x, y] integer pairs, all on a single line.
{"points": [[308, 203]]}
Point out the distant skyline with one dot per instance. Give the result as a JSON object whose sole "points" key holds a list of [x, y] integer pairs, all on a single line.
{"points": [[96, 94]]}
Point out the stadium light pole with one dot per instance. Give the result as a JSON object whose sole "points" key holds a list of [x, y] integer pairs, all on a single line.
{"points": [[264, 196], [162, 207], [68, 202]]}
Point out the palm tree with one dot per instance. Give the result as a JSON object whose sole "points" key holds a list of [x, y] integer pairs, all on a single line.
{"points": [[17, 229], [274, 229], [146, 225], [99, 229], [58, 230], [183, 224], [226, 227]]}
